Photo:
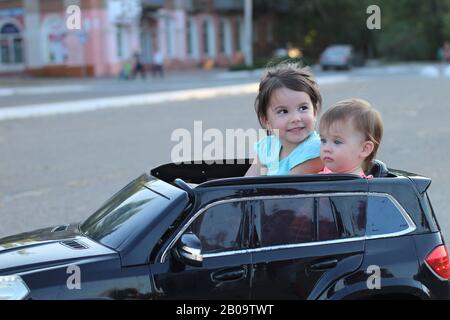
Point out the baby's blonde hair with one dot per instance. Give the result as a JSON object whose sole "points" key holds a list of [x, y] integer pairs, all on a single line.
{"points": [[364, 119]]}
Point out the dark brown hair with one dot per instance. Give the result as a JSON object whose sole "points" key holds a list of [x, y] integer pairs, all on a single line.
{"points": [[364, 119], [286, 75]]}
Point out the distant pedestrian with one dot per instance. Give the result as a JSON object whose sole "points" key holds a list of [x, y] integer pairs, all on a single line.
{"points": [[158, 64], [127, 70], [138, 66]]}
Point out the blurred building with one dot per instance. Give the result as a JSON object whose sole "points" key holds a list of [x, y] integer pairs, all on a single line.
{"points": [[193, 32], [36, 39]]}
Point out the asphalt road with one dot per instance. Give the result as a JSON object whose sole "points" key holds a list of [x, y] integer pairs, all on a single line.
{"points": [[59, 169]]}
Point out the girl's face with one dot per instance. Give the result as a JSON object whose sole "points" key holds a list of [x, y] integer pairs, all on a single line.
{"points": [[343, 149], [292, 114]]}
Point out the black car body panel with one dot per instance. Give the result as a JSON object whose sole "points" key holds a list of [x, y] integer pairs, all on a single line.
{"points": [[297, 273], [281, 237], [218, 278], [44, 248]]}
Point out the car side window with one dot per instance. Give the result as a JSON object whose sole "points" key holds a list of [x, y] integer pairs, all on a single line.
{"points": [[285, 221], [327, 229], [384, 217], [219, 227], [350, 212]]}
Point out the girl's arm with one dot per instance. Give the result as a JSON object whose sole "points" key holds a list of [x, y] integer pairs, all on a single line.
{"points": [[256, 169], [308, 167]]}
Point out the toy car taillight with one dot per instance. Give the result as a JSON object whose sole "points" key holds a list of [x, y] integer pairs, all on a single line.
{"points": [[438, 262]]}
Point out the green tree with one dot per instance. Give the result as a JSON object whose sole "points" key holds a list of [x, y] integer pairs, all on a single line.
{"points": [[410, 29]]}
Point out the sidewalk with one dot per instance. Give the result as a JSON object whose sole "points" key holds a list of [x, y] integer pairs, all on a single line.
{"points": [[23, 97], [23, 91], [170, 77], [16, 91], [47, 109], [197, 76], [68, 105]]}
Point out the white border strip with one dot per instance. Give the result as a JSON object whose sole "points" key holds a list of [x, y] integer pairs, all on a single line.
{"points": [[55, 108], [40, 110]]}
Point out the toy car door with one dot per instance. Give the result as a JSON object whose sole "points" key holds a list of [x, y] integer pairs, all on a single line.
{"points": [[303, 243], [225, 270]]}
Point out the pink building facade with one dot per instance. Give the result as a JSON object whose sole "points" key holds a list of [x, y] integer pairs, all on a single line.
{"points": [[42, 38], [37, 38]]}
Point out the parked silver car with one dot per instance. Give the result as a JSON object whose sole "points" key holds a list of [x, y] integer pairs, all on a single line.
{"points": [[340, 57]]}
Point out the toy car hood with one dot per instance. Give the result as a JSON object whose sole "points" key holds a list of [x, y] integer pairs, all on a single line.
{"points": [[47, 247]]}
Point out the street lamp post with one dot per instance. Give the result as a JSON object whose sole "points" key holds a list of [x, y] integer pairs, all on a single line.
{"points": [[248, 16]]}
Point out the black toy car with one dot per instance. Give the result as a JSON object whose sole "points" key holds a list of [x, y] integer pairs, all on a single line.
{"points": [[202, 231]]}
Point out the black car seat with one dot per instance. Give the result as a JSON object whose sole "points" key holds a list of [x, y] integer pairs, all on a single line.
{"points": [[379, 169]]}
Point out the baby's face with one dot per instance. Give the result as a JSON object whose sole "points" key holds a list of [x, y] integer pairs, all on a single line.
{"points": [[342, 148], [292, 114]]}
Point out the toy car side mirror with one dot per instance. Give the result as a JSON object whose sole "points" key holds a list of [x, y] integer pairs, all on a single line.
{"points": [[189, 250]]}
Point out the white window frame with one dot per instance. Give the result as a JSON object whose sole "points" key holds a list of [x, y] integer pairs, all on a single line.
{"points": [[226, 39], [145, 39], [123, 48], [193, 38], [210, 37], [169, 30]]}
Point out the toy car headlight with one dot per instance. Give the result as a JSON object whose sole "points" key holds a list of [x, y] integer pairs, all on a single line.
{"points": [[13, 288]]}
